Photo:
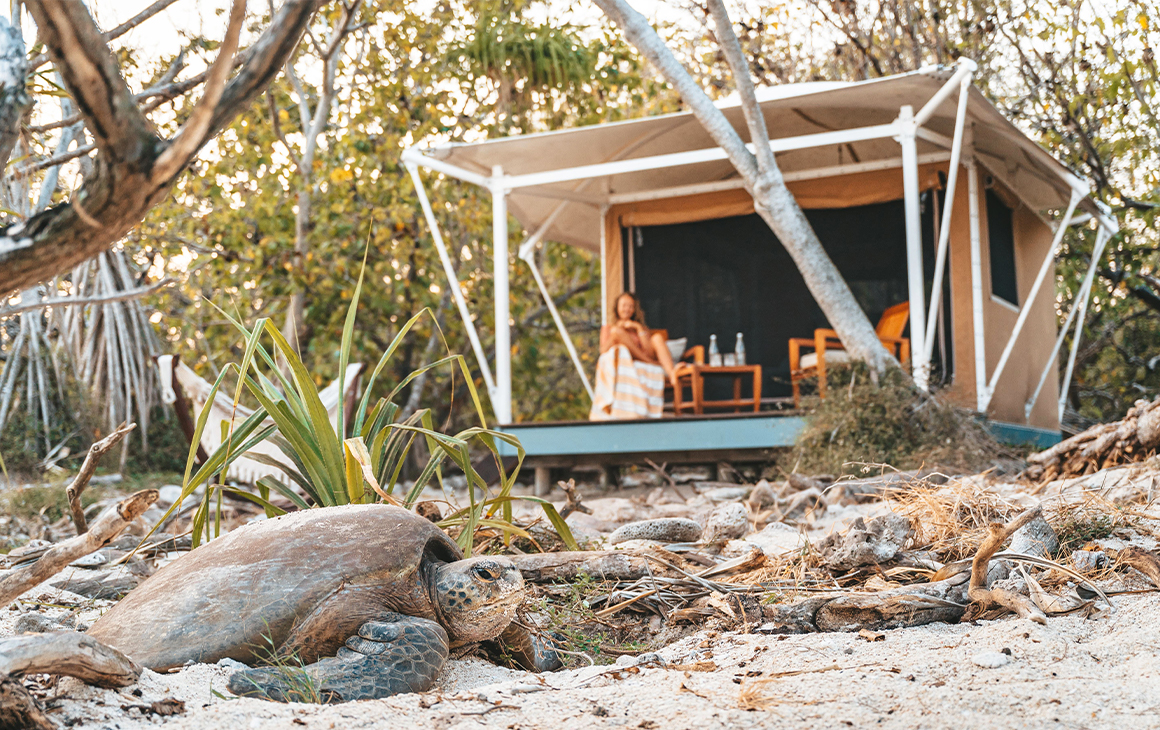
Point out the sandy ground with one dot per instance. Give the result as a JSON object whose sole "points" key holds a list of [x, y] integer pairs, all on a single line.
{"points": [[1071, 673]]}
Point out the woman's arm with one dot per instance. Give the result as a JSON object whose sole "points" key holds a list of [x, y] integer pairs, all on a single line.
{"points": [[621, 335]]}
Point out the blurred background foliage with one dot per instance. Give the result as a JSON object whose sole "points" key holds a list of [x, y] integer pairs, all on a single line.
{"points": [[1078, 75]]}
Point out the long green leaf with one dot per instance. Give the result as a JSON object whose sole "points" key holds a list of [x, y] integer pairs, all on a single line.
{"points": [[344, 351]]}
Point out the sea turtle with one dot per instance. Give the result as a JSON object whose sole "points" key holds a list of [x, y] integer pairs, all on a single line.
{"points": [[370, 598]]}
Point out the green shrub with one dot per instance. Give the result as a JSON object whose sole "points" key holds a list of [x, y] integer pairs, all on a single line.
{"points": [[332, 467], [891, 422]]}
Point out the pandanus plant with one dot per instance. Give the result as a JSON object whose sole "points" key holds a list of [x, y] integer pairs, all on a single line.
{"points": [[331, 466]]}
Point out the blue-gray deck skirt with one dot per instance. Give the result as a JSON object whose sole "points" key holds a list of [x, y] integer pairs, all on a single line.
{"points": [[714, 433]]}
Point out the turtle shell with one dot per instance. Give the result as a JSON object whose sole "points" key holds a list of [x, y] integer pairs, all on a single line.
{"points": [[297, 584]]}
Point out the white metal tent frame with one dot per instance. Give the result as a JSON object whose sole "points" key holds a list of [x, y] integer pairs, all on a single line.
{"points": [[906, 129]]}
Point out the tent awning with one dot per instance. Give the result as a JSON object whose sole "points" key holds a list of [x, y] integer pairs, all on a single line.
{"points": [[791, 111]]}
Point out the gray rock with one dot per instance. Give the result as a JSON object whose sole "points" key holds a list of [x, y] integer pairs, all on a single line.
{"points": [[1089, 561], [763, 495], [727, 522], [1035, 538], [665, 529], [866, 543], [727, 494], [38, 623], [991, 659]]}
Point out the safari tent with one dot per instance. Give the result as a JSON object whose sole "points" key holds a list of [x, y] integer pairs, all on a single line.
{"points": [[919, 188]]}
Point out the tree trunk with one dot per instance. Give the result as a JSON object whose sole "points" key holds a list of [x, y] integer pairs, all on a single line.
{"points": [[763, 180], [14, 98]]}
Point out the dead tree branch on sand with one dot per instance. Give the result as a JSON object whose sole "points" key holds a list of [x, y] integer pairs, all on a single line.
{"points": [[96, 451], [58, 653], [103, 530]]}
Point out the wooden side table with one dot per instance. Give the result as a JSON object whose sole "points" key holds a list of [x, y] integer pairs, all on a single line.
{"points": [[694, 377]]}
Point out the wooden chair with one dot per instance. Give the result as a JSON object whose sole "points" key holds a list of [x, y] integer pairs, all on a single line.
{"points": [[694, 355], [827, 346]]}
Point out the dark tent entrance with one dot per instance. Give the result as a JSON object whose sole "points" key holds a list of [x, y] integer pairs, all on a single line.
{"points": [[732, 275]]}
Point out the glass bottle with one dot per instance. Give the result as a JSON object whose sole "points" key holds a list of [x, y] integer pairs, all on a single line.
{"points": [[739, 349], [714, 353]]}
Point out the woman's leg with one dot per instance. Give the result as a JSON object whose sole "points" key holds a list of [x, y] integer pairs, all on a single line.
{"points": [[664, 357]]}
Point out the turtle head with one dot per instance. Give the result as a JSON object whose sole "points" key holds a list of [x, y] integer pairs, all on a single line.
{"points": [[477, 597]]}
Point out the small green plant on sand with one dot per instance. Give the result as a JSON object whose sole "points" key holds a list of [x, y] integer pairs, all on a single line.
{"points": [[575, 628], [330, 466]]}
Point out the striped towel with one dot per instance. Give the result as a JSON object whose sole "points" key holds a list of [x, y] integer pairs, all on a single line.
{"points": [[626, 388]]}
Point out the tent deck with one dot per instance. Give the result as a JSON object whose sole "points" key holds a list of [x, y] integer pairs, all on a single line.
{"points": [[689, 439]]}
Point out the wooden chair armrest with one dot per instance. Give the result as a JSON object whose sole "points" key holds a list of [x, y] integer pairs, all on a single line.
{"points": [[826, 333], [697, 352]]}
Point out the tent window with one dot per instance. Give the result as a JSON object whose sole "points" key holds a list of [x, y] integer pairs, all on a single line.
{"points": [[1001, 231]]}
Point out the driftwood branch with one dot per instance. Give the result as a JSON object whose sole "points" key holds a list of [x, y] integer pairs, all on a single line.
{"points": [[1104, 445], [568, 566], [69, 654], [104, 529], [573, 503], [18, 710], [81, 481], [978, 590]]}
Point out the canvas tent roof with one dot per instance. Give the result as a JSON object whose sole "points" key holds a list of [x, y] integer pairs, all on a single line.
{"points": [[791, 110]]}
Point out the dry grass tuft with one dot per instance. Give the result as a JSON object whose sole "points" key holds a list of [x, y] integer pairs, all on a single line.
{"points": [[950, 519], [889, 422]]}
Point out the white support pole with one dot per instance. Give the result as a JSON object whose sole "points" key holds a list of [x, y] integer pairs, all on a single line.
{"points": [[1101, 241], [453, 282], [531, 261], [1079, 305], [692, 157], [503, 332], [982, 397], [906, 138], [1039, 279], [944, 234], [603, 270], [412, 156], [966, 67]]}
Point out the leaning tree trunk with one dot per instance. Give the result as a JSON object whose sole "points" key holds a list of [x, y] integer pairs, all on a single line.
{"points": [[763, 180]]}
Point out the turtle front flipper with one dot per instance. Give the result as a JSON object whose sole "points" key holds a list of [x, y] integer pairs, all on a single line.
{"points": [[390, 656], [518, 647]]}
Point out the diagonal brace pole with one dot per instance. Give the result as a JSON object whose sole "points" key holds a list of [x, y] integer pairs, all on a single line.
{"points": [[453, 282], [1025, 310]]}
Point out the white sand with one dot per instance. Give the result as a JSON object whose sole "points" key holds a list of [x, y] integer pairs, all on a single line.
{"points": [[1070, 673]]}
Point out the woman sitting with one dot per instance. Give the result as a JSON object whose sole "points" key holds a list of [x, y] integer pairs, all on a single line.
{"points": [[633, 365]]}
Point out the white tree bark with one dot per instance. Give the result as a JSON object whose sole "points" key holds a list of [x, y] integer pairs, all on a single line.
{"points": [[763, 179], [14, 98], [313, 125]]}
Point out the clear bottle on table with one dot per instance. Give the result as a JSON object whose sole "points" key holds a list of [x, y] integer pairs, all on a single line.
{"points": [[714, 352], [739, 349]]}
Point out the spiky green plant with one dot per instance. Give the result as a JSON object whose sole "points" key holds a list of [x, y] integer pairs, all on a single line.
{"points": [[331, 467]]}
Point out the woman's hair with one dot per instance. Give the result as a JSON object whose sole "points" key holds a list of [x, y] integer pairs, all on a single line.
{"points": [[637, 311]]}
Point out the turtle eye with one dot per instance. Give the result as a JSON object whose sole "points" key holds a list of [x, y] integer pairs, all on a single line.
{"points": [[486, 572]]}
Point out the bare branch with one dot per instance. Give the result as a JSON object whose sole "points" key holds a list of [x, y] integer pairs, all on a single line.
{"points": [[54, 160], [88, 468], [84, 301], [192, 135], [735, 57], [638, 31], [121, 188], [93, 77], [57, 558]]}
